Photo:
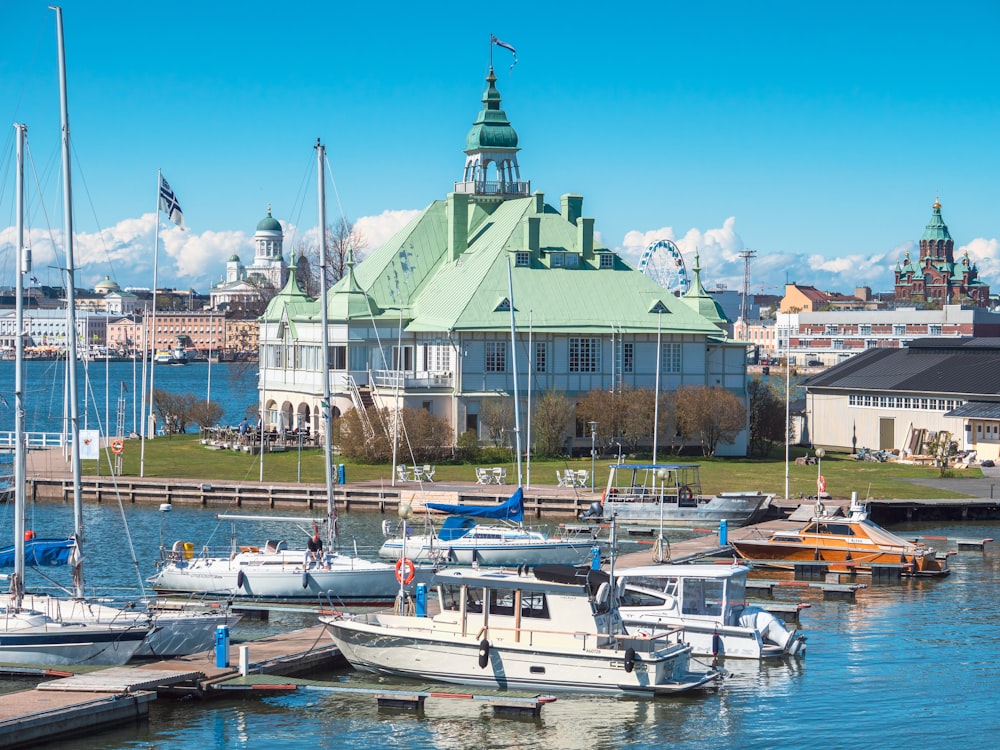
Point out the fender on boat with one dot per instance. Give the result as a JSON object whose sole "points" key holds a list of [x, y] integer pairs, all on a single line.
{"points": [[241, 579], [629, 659], [484, 653], [305, 579]]}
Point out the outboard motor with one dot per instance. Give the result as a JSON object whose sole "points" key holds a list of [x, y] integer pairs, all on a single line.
{"points": [[596, 510]]}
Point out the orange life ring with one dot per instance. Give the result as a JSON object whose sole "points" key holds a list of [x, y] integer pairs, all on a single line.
{"points": [[685, 494], [405, 570], [117, 446], [821, 483]]}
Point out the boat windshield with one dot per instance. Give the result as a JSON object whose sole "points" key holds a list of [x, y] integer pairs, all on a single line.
{"points": [[702, 596]]}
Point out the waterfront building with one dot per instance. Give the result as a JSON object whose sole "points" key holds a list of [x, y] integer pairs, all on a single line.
{"points": [[47, 329], [935, 277], [904, 399], [425, 320]]}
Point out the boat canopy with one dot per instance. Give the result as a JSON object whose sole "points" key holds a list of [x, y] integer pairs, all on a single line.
{"points": [[640, 467], [39, 553], [511, 510]]}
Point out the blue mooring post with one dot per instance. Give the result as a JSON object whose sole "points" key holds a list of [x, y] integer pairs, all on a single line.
{"points": [[341, 474], [421, 600], [222, 646], [723, 533], [595, 558]]}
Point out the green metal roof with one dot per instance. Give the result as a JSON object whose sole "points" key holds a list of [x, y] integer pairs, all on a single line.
{"points": [[936, 228], [268, 223]]}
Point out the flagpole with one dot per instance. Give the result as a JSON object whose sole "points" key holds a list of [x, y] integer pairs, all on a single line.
{"points": [[152, 365]]}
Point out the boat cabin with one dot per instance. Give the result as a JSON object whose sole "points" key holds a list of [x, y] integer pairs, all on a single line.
{"points": [[696, 592], [673, 483], [511, 606]]}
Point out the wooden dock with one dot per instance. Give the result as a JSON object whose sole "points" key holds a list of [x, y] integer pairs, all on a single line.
{"points": [[92, 699]]}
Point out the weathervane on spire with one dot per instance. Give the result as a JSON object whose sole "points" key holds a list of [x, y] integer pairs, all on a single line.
{"points": [[498, 43]]}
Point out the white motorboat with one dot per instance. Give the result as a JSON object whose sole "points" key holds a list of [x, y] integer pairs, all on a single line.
{"points": [[556, 628], [272, 571], [670, 495], [461, 540], [709, 603]]}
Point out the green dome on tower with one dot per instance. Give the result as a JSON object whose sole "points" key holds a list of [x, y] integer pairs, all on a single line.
{"points": [[268, 223], [492, 129]]}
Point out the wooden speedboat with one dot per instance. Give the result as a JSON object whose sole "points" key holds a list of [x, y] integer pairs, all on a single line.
{"points": [[557, 628], [849, 543]]}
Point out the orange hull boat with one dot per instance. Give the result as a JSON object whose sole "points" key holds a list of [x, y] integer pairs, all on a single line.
{"points": [[855, 542]]}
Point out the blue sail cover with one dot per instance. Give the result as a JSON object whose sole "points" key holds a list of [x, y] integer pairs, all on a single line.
{"points": [[39, 553], [511, 510]]}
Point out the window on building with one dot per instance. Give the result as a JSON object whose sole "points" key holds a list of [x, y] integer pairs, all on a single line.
{"points": [[607, 260], [584, 355], [572, 260], [522, 258], [933, 330], [437, 358], [831, 329], [541, 356], [556, 260], [496, 356], [628, 356], [338, 357], [865, 330], [402, 358], [670, 358], [899, 330]]}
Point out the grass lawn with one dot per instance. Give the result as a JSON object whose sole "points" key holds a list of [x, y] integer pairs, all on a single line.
{"points": [[183, 456]]}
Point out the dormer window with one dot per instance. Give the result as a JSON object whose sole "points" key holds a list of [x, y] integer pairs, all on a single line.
{"points": [[572, 260], [607, 260], [522, 258], [557, 260]]}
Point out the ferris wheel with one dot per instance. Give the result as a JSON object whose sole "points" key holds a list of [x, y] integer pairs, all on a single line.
{"points": [[663, 263]]}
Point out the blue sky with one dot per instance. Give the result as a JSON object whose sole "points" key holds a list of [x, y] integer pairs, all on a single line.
{"points": [[817, 135]]}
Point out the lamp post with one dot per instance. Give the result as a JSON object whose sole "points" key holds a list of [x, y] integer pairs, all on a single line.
{"points": [[820, 482], [593, 452]]}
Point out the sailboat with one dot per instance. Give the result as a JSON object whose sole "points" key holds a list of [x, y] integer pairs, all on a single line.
{"points": [[155, 632], [30, 635], [503, 541], [270, 570]]}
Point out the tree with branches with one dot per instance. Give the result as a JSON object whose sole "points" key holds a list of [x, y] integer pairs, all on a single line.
{"points": [[709, 415], [341, 239]]}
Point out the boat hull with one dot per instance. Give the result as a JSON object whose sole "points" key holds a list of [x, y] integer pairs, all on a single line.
{"points": [[844, 557], [249, 576], [64, 644], [455, 659], [735, 508], [510, 554]]}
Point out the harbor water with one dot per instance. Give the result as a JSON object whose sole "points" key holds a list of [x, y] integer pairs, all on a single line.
{"points": [[912, 663], [106, 387]]}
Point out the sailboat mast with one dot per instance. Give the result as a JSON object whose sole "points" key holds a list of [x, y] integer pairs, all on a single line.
{"points": [[20, 465], [74, 404], [513, 364], [331, 507]]}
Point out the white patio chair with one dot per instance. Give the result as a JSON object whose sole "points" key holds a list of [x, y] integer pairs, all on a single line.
{"points": [[429, 472], [401, 473], [483, 476]]}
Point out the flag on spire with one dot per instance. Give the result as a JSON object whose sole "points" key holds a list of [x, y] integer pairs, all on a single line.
{"points": [[498, 43], [169, 204]]}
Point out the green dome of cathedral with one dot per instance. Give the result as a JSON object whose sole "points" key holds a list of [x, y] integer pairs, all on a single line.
{"points": [[268, 223]]}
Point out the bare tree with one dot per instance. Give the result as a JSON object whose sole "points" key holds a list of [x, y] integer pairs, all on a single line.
{"points": [[767, 416], [551, 423], [341, 239], [498, 416], [709, 415]]}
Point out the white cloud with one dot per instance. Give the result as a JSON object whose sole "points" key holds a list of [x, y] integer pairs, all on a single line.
{"points": [[377, 230]]}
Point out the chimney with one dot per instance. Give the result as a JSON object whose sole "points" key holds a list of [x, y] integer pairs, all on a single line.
{"points": [[572, 207], [585, 238], [458, 224], [539, 197], [532, 225]]}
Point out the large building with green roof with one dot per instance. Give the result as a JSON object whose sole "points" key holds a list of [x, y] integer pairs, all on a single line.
{"points": [[427, 315]]}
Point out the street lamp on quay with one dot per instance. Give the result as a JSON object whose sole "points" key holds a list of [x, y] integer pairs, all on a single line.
{"points": [[820, 481], [593, 452]]}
